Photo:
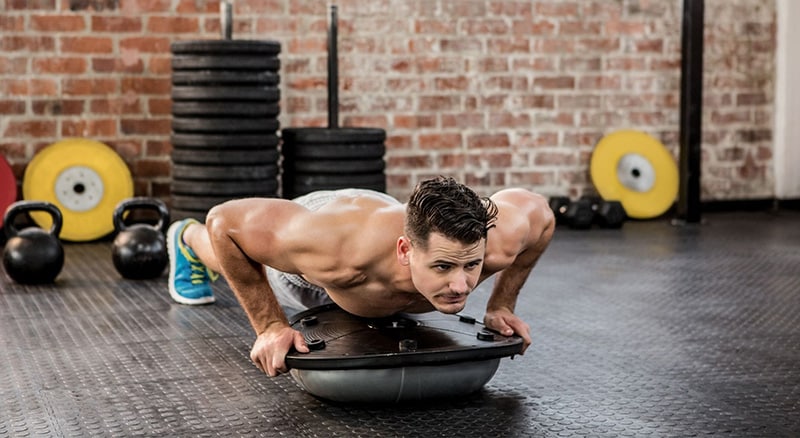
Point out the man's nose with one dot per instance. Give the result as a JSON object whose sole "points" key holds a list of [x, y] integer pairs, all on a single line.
{"points": [[459, 283]]}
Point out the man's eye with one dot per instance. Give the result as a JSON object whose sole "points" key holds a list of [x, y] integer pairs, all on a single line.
{"points": [[441, 268], [473, 265]]}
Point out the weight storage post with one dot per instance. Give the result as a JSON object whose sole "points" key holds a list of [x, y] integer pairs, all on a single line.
{"points": [[317, 158], [225, 108]]}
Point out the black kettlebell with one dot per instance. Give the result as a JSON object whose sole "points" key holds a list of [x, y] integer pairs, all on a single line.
{"points": [[139, 251], [32, 255]]}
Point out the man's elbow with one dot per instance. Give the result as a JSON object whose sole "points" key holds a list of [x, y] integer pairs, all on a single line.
{"points": [[547, 217], [540, 211], [543, 220]]}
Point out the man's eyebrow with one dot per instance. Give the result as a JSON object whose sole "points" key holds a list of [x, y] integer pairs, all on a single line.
{"points": [[442, 262], [447, 262]]}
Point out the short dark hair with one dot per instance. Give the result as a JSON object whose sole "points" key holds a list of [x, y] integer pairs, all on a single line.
{"points": [[444, 206]]}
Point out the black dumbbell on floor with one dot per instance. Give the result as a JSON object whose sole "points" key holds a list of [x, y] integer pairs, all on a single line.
{"points": [[559, 206], [587, 211], [575, 214], [607, 214]]}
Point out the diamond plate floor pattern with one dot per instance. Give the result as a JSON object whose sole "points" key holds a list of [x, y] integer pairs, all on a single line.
{"points": [[652, 330]]}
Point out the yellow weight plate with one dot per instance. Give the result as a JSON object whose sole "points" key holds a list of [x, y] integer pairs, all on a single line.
{"points": [[636, 169], [85, 179]]}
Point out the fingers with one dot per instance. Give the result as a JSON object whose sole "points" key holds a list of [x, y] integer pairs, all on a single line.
{"points": [[278, 366], [524, 331], [263, 363], [506, 330], [499, 324], [270, 349], [270, 366], [257, 360], [508, 325], [300, 343]]}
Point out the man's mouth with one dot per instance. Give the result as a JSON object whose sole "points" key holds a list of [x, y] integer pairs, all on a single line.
{"points": [[452, 298]]}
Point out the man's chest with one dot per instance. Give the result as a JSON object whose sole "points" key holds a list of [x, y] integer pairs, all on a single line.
{"points": [[375, 299]]}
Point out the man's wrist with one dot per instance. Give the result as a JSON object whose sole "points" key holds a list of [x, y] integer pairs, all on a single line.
{"points": [[273, 324]]}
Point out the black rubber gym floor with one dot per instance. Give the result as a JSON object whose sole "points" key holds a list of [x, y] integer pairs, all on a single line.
{"points": [[652, 330]]}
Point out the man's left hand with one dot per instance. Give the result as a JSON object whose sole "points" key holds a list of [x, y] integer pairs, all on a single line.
{"points": [[507, 323]]}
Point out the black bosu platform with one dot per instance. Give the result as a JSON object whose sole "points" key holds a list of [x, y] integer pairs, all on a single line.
{"points": [[651, 330], [401, 358]]}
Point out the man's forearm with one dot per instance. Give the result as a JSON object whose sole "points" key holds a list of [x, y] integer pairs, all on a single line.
{"points": [[509, 281], [259, 302], [507, 286], [247, 279]]}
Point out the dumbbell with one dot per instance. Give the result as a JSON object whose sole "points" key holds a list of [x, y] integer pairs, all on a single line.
{"points": [[559, 206], [607, 214], [578, 214], [586, 211]]}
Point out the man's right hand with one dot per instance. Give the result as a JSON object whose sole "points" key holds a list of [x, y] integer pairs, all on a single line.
{"points": [[271, 346]]}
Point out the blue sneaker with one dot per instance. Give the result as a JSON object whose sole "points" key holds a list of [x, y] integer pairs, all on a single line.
{"points": [[189, 279]]}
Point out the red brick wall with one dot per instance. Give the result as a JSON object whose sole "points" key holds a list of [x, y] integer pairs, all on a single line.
{"points": [[495, 92]]}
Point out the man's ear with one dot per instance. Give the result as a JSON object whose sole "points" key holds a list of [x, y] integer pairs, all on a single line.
{"points": [[403, 250]]}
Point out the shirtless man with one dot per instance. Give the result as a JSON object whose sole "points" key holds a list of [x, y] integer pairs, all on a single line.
{"points": [[365, 251]]}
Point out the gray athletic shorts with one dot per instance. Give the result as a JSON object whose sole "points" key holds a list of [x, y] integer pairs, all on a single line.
{"points": [[293, 292]]}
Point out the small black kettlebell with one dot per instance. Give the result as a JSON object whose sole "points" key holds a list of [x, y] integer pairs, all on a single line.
{"points": [[139, 251], [32, 255]]}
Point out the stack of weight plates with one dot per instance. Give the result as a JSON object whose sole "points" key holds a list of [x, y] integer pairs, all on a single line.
{"points": [[225, 110], [332, 158]]}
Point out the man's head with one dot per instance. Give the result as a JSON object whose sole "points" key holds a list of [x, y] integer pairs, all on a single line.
{"points": [[444, 240]]}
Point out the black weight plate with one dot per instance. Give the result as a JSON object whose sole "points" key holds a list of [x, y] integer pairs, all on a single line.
{"points": [[227, 62], [334, 180], [333, 135], [246, 93], [198, 203], [224, 156], [224, 77], [233, 141], [334, 151], [213, 124], [224, 188], [178, 214], [207, 202], [223, 173], [255, 47], [337, 166], [221, 109]]}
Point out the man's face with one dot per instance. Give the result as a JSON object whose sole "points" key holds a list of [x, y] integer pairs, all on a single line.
{"points": [[447, 271]]}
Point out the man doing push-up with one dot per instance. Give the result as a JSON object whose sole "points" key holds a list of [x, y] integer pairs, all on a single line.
{"points": [[364, 251]]}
